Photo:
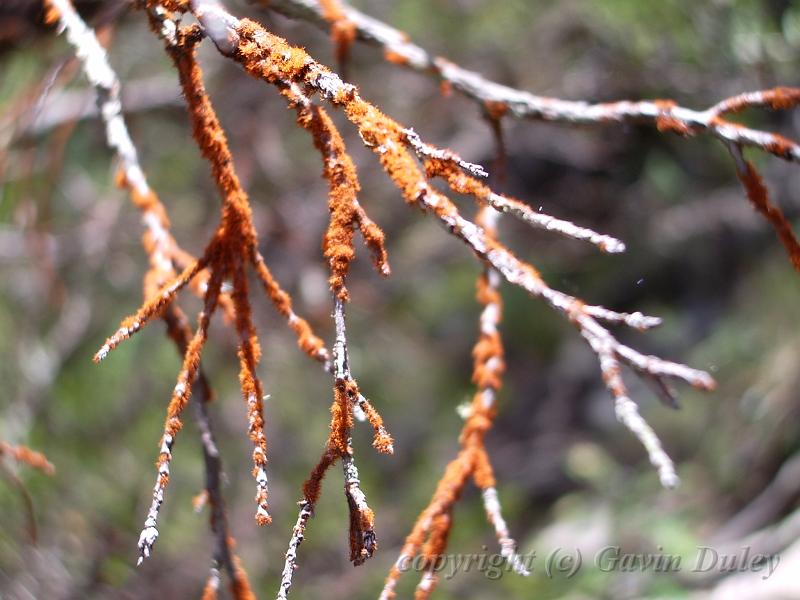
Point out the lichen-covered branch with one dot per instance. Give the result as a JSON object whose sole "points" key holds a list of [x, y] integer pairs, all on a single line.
{"points": [[270, 58], [220, 274], [664, 114]]}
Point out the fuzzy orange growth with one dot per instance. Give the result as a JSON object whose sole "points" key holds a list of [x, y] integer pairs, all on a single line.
{"points": [[437, 539], [384, 136], [210, 588], [266, 56], [395, 57], [151, 308], [199, 501], [312, 487], [345, 210], [448, 490], [759, 197], [779, 98], [146, 202], [307, 340], [382, 441], [269, 57], [496, 110], [666, 122], [240, 585], [375, 239], [51, 13], [343, 31], [234, 245], [484, 472], [362, 532], [488, 349], [432, 555], [781, 146], [434, 522], [163, 251], [252, 393], [179, 6], [191, 365], [345, 393], [782, 98], [340, 172], [29, 457], [445, 88], [237, 224], [186, 377]]}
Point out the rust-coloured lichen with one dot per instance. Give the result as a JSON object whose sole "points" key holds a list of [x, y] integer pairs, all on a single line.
{"points": [[343, 31], [495, 109], [665, 121], [758, 195], [26, 456], [233, 250], [395, 57]]}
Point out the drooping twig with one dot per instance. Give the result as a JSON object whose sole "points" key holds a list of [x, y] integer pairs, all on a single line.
{"points": [[436, 519], [362, 538], [223, 557], [758, 195], [163, 252]]}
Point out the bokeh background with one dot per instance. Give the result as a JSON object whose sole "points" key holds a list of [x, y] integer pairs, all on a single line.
{"points": [[569, 475]]}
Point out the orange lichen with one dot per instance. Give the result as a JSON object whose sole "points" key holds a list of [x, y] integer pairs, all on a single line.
{"points": [[345, 211], [375, 240], [343, 31], [170, 5], [307, 340], [240, 585], [151, 308], [665, 121], [234, 247], [200, 500], [495, 110], [361, 533], [51, 13], [395, 57], [432, 554], [435, 521], [362, 541], [780, 146], [344, 393], [340, 172], [382, 441], [758, 195], [779, 98], [164, 253], [191, 362], [210, 589], [782, 98], [312, 487], [233, 244], [448, 491], [483, 474], [25, 455]]}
